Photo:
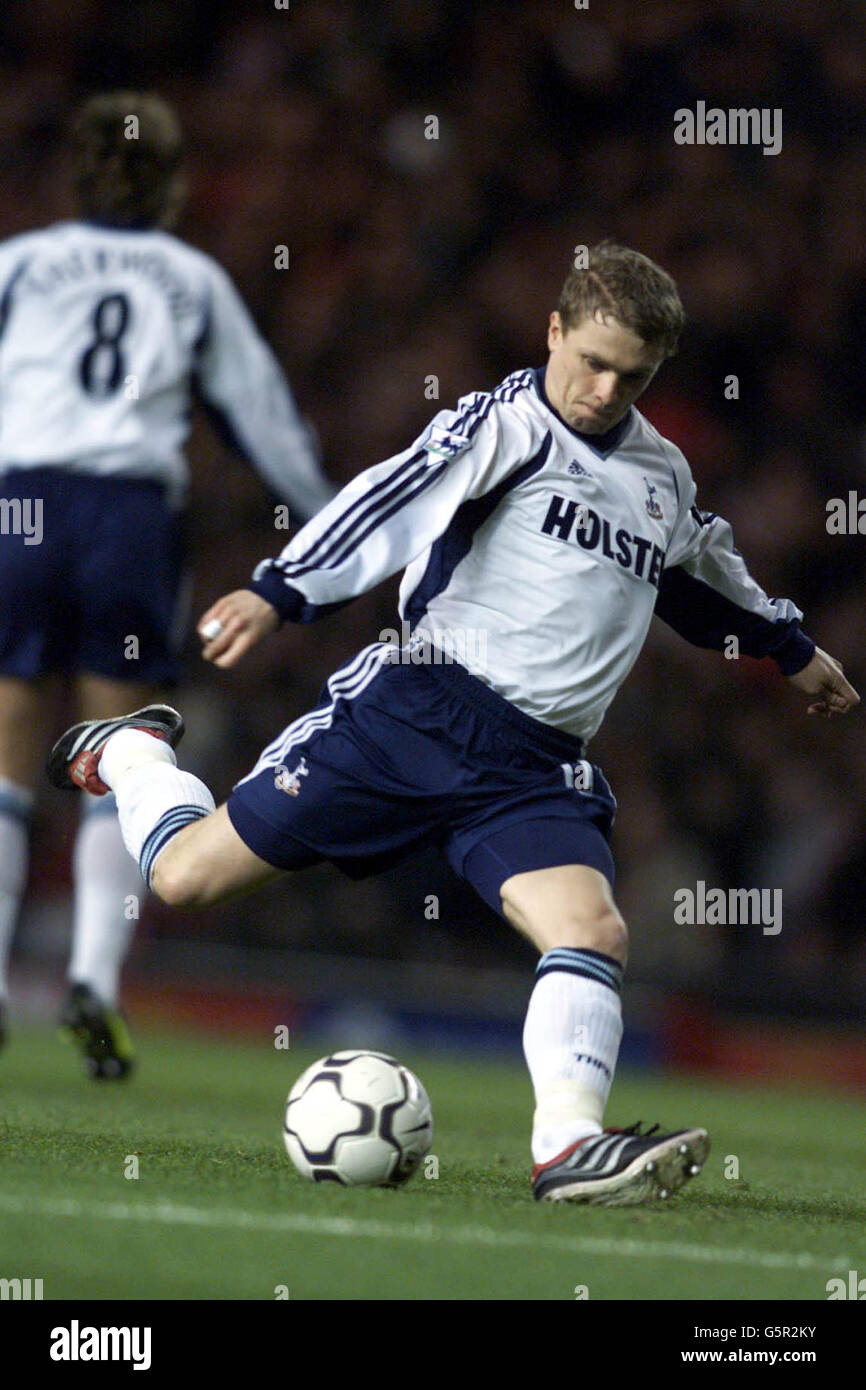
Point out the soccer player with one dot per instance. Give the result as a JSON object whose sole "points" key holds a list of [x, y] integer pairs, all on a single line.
{"points": [[549, 518], [107, 325]]}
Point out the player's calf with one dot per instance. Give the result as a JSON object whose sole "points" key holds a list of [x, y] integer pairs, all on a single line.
{"points": [[205, 862], [573, 1024]]}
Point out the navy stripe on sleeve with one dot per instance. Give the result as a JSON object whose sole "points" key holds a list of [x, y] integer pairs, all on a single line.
{"points": [[456, 542], [345, 532], [6, 299], [707, 618]]}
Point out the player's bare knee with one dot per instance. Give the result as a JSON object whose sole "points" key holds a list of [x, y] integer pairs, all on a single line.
{"points": [[604, 932], [174, 880], [589, 921], [168, 885]]}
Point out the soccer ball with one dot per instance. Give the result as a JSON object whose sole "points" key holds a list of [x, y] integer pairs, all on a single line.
{"points": [[358, 1118]]}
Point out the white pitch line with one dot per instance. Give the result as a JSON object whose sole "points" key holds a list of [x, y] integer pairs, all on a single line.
{"points": [[169, 1214]]}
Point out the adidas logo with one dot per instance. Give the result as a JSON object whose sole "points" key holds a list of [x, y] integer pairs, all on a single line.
{"points": [[576, 468]]}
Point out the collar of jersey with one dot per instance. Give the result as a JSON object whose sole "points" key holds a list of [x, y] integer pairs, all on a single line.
{"points": [[601, 444]]}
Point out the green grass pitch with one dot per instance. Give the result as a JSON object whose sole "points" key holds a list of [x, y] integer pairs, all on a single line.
{"points": [[217, 1211]]}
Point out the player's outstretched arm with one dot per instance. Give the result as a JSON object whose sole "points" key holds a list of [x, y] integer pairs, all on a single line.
{"points": [[234, 625], [823, 680], [393, 513]]}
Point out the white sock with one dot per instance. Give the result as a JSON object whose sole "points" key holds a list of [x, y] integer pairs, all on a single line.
{"points": [[16, 803], [571, 1040], [154, 798], [108, 895]]}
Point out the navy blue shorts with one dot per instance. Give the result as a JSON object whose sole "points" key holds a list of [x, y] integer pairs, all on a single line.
{"points": [[104, 564], [397, 757]]}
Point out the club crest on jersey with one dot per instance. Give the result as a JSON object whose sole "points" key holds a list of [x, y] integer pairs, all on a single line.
{"points": [[577, 469], [444, 443], [286, 781], [653, 507]]}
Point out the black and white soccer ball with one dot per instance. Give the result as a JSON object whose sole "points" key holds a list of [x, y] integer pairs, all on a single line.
{"points": [[358, 1118]]}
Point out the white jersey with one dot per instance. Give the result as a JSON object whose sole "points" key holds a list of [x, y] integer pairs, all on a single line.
{"points": [[536, 555], [105, 333]]}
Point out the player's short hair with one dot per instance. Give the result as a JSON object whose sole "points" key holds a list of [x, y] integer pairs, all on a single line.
{"points": [[127, 149], [625, 285]]}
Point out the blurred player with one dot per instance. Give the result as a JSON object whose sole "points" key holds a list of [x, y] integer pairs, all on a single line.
{"points": [[550, 517], [107, 324]]}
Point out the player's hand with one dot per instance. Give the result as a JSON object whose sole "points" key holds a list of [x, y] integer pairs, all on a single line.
{"points": [[234, 624], [823, 679]]}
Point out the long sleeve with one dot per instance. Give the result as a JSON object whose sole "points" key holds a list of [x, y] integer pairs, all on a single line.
{"points": [[707, 595], [251, 404], [392, 513]]}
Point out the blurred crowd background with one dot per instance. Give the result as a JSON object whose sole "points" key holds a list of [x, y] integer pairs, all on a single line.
{"points": [[307, 127]]}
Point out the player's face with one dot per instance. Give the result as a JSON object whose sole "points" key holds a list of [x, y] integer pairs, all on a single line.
{"points": [[596, 370]]}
